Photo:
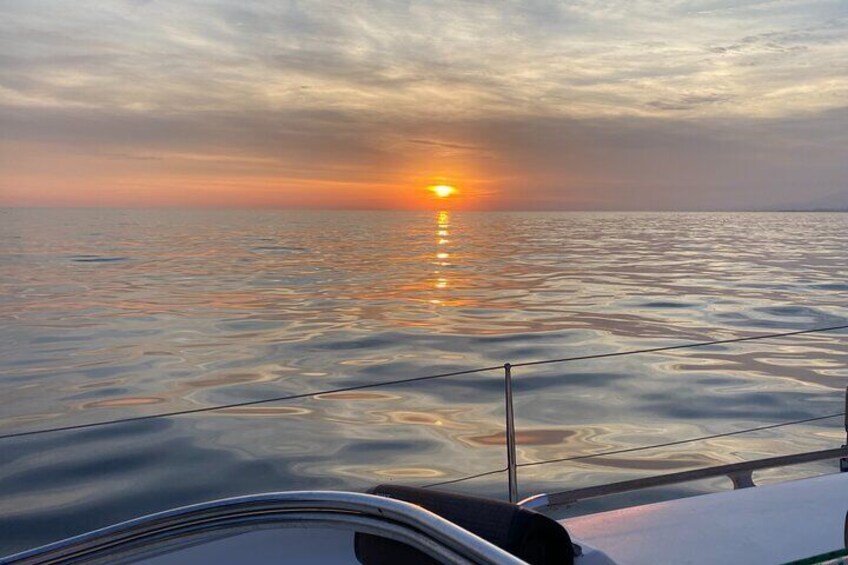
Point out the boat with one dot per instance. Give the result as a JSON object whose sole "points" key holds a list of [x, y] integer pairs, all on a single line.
{"points": [[778, 523]]}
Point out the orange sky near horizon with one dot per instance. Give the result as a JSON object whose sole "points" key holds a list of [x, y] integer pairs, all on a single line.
{"points": [[115, 180]]}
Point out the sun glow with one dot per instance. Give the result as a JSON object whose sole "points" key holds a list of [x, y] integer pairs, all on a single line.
{"points": [[442, 190]]}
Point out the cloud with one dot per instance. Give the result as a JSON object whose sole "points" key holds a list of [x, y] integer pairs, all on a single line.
{"points": [[633, 99]]}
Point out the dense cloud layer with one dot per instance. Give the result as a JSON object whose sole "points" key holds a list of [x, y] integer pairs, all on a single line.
{"points": [[611, 105]]}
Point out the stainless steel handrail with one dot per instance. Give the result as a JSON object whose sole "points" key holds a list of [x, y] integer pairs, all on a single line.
{"points": [[739, 473], [394, 519]]}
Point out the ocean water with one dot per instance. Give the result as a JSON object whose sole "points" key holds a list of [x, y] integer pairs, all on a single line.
{"points": [[116, 313]]}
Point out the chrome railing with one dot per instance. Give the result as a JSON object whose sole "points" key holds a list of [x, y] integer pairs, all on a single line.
{"points": [[741, 474], [376, 515]]}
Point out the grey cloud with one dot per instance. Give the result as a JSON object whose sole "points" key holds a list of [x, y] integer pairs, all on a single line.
{"points": [[477, 54], [689, 102], [666, 104], [445, 144], [130, 156]]}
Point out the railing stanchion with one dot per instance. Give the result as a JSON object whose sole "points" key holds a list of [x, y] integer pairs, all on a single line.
{"points": [[843, 463], [512, 467], [846, 414]]}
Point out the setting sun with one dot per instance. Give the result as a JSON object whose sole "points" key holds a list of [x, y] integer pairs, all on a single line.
{"points": [[442, 190]]}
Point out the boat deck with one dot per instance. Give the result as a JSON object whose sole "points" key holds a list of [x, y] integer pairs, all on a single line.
{"points": [[769, 524]]}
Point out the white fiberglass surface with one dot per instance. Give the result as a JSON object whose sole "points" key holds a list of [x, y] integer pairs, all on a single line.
{"points": [[769, 524]]}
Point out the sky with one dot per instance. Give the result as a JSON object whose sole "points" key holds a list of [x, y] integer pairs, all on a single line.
{"points": [[522, 105]]}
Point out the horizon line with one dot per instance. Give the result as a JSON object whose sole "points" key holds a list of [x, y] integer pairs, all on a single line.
{"points": [[422, 210]]}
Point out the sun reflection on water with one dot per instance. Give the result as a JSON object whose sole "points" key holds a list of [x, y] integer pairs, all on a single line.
{"points": [[443, 255]]}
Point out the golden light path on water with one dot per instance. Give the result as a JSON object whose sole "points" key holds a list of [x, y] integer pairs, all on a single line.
{"points": [[442, 254]]}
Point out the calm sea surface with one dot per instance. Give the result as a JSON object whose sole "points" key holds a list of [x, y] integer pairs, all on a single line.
{"points": [[110, 314]]}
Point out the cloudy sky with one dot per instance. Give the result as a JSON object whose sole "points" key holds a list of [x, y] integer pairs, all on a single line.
{"points": [[587, 104]]}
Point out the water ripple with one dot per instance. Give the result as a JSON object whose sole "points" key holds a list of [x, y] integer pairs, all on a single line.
{"points": [[111, 314]]}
